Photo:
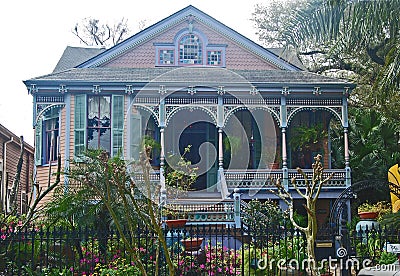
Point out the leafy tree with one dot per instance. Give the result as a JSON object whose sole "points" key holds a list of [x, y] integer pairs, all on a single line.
{"points": [[373, 144], [355, 40]]}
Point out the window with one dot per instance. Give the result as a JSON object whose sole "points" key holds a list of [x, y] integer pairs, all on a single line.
{"points": [[51, 131], [190, 50], [166, 57], [47, 137], [99, 123], [214, 57]]}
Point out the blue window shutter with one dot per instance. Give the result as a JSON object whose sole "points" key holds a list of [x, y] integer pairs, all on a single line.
{"points": [[80, 125], [135, 133], [117, 125], [38, 143]]}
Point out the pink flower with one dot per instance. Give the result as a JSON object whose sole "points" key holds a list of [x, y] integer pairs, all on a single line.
{"points": [[202, 266], [3, 237]]}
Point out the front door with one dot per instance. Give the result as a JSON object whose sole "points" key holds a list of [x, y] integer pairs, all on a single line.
{"points": [[195, 135]]}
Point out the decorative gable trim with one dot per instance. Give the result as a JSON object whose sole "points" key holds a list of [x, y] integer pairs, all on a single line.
{"points": [[176, 18]]}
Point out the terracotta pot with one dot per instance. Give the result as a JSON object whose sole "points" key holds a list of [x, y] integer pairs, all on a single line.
{"points": [[176, 223], [192, 244], [368, 215]]}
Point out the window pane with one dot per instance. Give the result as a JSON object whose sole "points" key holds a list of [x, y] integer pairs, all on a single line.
{"points": [[105, 139], [93, 138]]}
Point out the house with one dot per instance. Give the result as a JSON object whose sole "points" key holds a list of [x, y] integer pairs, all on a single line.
{"points": [[10, 149], [191, 80]]}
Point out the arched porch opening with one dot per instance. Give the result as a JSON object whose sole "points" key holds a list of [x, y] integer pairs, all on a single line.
{"points": [[252, 140], [194, 127], [144, 130], [312, 132]]}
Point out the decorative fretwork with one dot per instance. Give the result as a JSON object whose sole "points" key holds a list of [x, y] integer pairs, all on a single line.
{"points": [[253, 90], [252, 101], [317, 91], [346, 91], [293, 110], [196, 100], [129, 89], [192, 90], [162, 90], [338, 179], [42, 108], [147, 100], [172, 110], [381, 185], [315, 102], [230, 110], [154, 111], [50, 99], [221, 90], [285, 91], [33, 89], [251, 178], [62, 89], [96, 89]]}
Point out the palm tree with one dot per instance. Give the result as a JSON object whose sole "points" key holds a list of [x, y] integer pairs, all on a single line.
{"points": [[373, 144], [357, 39]]}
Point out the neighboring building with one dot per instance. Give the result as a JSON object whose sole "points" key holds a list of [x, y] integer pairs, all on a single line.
{"points": [[189, 79], [10, 149]]}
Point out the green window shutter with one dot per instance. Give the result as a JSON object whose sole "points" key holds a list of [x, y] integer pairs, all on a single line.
{"points": [[117, 124], [38, 143], [135, 133], [80, 125]]}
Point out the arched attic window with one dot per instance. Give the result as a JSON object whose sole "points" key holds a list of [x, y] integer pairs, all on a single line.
{"points": [[190, 49]]}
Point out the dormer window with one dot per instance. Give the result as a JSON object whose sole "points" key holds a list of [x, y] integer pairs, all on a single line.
{"points": [[190, 50]]}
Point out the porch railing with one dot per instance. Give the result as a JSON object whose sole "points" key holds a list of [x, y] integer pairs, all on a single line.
{"points": [[255, 179]]}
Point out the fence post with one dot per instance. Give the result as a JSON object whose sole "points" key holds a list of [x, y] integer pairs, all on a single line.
{"points": [[343, 252], [236, 207]]}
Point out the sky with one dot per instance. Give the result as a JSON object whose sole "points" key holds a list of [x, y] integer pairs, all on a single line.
{"points": [[36, 32]]}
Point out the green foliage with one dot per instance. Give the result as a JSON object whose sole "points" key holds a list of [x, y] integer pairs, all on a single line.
{"points": [[381, 207], [304, 137], [179, 172], [263, 214], [373, 144], [387, 258]]}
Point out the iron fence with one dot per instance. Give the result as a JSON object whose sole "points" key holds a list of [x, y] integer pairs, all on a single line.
{"points": [[222, 250]]}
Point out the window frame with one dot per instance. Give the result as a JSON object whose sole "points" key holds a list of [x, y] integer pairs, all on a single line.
{"points": [[98, 127]]}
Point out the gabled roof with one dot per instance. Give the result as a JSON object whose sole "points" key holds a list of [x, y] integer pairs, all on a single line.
{"points": [[177, 18], [73, 56]]}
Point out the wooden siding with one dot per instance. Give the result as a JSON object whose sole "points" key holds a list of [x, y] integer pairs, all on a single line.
{"points": [[11, 162], [237, 57]]}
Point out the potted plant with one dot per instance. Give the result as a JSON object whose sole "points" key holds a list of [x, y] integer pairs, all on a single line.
{"points": [[373, 211], [192, 243], [179, 174], [306, 139], [175, 218]]}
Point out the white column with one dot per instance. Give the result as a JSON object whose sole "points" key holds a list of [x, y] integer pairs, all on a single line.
{"points": [[346, 147], [162, 153], [284, 150], [220, 149]]}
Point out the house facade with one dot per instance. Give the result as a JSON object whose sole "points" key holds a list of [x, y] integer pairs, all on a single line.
{"points": [[191, 80], [10, 149]]}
